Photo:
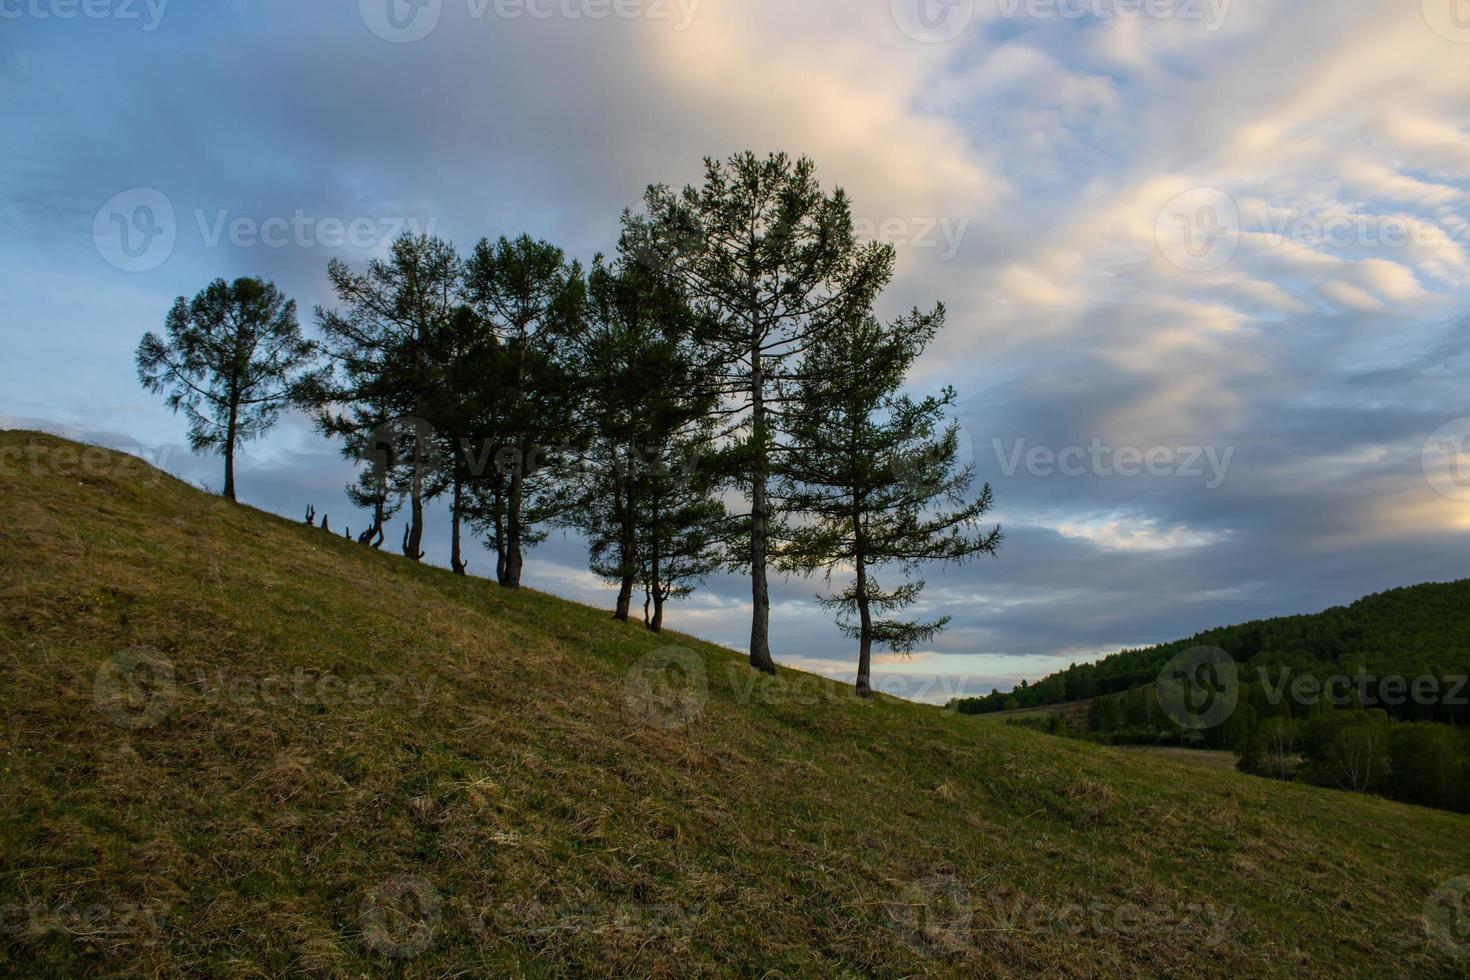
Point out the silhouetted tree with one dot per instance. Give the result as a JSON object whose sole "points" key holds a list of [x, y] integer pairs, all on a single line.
{"points": [[380, 341], [643, 410], [530, 296], [876, 475], [775, 264], [230, 361]]}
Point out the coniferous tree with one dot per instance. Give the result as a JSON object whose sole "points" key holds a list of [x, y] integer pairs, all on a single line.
{"points": [[381, 342], [372, 493], [775, 263], [530, 297], [230, 361], [684, 531], [877, 477], [468, 376], [642, 400]]}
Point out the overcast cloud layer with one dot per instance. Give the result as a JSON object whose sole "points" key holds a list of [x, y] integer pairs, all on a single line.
{"points": [[1206, 262]]}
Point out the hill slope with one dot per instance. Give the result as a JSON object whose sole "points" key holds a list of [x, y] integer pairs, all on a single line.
{"points": [[489, 786]]}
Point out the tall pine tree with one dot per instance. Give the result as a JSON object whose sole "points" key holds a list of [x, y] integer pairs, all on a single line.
{"points": [[876, 475], [531, 297], [644, 406], [380, 340], [775, 264]]}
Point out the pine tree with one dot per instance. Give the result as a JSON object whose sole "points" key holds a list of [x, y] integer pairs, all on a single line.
{"points": [[775, 264], [381, 343], [684, 527], [531, 297], [468, 380], [875, 474], [232, 359], [642, 398]]}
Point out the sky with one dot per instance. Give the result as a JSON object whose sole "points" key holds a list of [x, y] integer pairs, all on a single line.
{"points": [[1205, 261]]}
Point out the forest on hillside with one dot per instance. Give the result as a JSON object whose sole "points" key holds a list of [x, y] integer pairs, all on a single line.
{"points": [[1371, 697]]}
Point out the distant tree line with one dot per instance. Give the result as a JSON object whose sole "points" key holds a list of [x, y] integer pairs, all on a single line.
{"points": [[1373, 697], [719, 393]]}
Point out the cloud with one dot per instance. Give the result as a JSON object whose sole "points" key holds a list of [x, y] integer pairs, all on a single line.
{"points": [[1323, 351]]}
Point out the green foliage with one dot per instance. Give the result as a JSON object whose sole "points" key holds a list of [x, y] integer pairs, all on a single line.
{"points": [[1420, 631], [644, 493], [773, 265], [530, 298], [231, 359], [873, 474], [380, 339]]}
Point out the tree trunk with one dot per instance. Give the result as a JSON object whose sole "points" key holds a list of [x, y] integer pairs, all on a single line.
{"points": [[512, 541], [455, 559], [513, 559], [865, 633], [413, 544], [231, 435], [498, 502], [624, 607], [760, 594], [655, 579], [380, 506], [627, 556], [860, 595]]}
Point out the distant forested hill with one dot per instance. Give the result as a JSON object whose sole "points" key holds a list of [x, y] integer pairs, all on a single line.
{"points": [[1374, 697], [1423, 630]]}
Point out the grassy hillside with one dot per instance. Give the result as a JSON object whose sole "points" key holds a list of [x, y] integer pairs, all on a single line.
{"points": [[345, 764]]}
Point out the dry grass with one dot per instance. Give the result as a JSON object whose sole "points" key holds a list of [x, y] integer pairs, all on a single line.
{"points": [[507, 783]]}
